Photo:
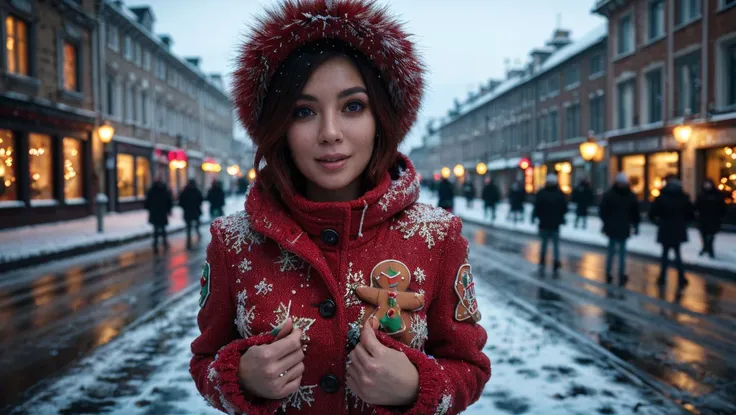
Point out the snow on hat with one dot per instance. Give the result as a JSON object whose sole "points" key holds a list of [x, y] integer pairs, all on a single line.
{"points": [[621, 178], [361, 24], [551, 179]]}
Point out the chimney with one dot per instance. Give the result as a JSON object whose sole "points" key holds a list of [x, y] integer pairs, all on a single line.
{"points": [[560, 39], [145, 17], [194, 61], [216, 79], [118, 4], [167, 41], [539, 56]]}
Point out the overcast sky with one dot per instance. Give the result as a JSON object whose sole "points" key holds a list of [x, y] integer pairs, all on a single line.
{"points": [[464, 42]]}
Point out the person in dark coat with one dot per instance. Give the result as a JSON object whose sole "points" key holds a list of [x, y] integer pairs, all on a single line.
{"points": [[517, 195], [619, 212], [710, 208], [550, 207], [190, 201], [582, 196], [446, 195], [159, 203], [491, 197], [216, 197], [672, 211], [469, 192]]}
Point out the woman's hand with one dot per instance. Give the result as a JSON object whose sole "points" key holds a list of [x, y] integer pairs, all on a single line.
{"points": [[380, 375], [274, 371]]}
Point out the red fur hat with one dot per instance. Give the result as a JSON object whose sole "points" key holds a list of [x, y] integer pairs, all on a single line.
{"points": [[361, 24]]}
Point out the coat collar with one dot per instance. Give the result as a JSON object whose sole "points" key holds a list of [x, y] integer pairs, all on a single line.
{"points": [[291, 219]]}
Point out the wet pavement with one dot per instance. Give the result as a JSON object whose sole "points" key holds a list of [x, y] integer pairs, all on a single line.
{"points": [[681, 339], [52, 315]]}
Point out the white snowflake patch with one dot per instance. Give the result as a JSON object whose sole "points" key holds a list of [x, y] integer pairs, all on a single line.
{"points": [[404, 186], [238, 233], [419, 331], [419, 275], [283, 312], [245, 265], [289, 261], [354, 280], [428, 222], [263, 288], [444, 405], [303, 395], [244, 317]]}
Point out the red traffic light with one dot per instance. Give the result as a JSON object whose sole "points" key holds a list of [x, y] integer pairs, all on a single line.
{"points": [[524, 163]]}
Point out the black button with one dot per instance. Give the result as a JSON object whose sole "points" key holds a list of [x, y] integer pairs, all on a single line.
{"points": [[329, 383], [330, 237], [327, 308]]}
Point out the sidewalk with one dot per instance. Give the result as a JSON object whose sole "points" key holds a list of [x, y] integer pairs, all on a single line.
{"points": [[644, 244], [41, 243]]}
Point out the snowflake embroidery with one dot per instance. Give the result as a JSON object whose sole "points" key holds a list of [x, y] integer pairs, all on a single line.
{"points": [[419, 331], [304, 394], [354, 280], [428, 222], [354, 329], [244, 317], [289, 261], [245, 265], [214, 377], [237, 232], [263, 288], [444, 405], [404, 186], [419, 275], [421, 291], [283, 312], [356, 400], [210, 401]]}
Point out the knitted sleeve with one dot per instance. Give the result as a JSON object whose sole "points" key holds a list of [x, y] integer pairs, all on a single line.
{"points": [[218, 348], [454, 369]]}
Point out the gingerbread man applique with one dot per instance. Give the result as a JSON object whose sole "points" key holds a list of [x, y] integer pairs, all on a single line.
{"points": [[467, 306], [388, 296]]}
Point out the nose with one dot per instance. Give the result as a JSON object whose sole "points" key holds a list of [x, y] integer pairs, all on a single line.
{"points": [[330, 129]]}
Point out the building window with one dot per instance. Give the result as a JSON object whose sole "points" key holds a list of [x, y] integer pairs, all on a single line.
{"points": [[142, 176], [727, 3], [721, 168], [686, 11], [8, 185], [553, 87], [625, 35], [687, 72], [40, 167], [730, 62], [129, 103], [138, 106], [572, 124], [110, 101], [626, 94], [113, 38], [597, 64], [73, 177], [597, 114], [564, 176], [70, 67], [147, 60], [16, 45], [659, 166], [553, 135], [138, 53], [128, 48], [633, 166], [144, 109], [126, 176], [654, 96], [656, 19], [572, 76]]}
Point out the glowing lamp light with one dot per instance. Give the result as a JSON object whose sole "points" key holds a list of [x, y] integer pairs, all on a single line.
{"points": [[436, 177], [728, 151], [481, 168], [233, 170], [589, 149], [445, 172], [655, 192], [105, 132], [211, 167], [252, 174], [459, 170], [724, 180], [524, 163], [682, 133]]}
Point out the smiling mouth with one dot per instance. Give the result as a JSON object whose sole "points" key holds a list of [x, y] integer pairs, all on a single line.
{"points": [[332, 159]]}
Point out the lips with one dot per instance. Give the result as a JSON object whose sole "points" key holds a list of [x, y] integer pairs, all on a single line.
{"points": [[332, 158]]}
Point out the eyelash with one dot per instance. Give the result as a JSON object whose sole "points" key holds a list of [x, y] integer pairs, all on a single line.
{"points": [[298, 110]]}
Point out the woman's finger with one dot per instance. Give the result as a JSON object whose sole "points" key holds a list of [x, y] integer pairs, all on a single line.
{"points": [[294, 372], [289, 361], [290, 387], [354, 386], [361, 358]]}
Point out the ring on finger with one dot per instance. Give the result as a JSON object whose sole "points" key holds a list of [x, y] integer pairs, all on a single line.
{"points": [[281, 375]]}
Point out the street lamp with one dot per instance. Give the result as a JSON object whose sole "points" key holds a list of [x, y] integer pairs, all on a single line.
{"points": [[233, 170], [682, 133], [481, 168], [459, 170], [445, 172], [105, 132], [252, 174], [590, 148]]}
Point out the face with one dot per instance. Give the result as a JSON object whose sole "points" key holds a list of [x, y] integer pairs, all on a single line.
{"points": [[332, 131]]}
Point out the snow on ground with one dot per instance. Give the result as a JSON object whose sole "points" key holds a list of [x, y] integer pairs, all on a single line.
{"points": [[51, 238], [535, 370], [645, 243]]}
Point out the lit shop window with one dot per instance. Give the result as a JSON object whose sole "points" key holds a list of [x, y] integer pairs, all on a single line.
{"points": [[142, 175], [720, 166], [633, 166], [40, 165], [16, 45], [70, 67], [8, 186], [73, 182], [564, 174], [125, 176], [660, 166]]}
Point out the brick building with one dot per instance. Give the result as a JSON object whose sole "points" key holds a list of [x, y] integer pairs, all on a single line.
{"points": [[47, 114], [672, 62]]}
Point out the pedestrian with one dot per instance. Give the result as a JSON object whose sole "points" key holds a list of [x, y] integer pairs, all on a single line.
{"points": [[672, 211], [216, 197], [159, 203], [550, 207], [491, 197], [446, 195], [190, 201], [327, 90], [710, 208], [583, 198], [469, 192], [619, 212], [517, 196]]}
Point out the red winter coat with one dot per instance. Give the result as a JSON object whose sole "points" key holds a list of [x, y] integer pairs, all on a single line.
{"points": [[304, 261]]}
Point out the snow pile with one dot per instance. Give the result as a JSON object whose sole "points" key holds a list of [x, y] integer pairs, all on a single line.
{"points": [[645, 243]]}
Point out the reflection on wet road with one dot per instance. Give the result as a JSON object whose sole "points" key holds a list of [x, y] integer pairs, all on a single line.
{"points": [[682, 338], [53, 314]]}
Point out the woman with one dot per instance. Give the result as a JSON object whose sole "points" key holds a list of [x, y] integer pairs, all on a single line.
{"points": [[710, 207], [334, 291]]}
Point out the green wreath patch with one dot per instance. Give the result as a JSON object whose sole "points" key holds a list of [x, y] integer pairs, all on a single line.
{"points": [[204, 285]]}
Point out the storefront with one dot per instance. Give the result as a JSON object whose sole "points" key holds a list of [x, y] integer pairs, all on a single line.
{"points": [[129, 175], [647, 162], [171, 167], [716, 160], [45, 165]]}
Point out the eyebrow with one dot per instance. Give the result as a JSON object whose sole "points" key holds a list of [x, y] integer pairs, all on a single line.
{"points": [[342, 94]]}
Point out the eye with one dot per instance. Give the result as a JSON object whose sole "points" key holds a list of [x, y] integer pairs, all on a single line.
{"points": [[303, 112], [354, 106]]}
